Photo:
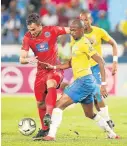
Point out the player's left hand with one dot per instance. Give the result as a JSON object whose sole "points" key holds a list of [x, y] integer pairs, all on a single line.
{"points": [[104, 91], [114, 68]]}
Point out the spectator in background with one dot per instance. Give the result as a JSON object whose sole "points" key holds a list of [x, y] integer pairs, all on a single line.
{"points": [[11, 26], [4, 15], [50, 18], [74, 10], [91, 4], [63, 20], [103, 5], [11, 29], [103, 21], [95, 13], [43, 10]]}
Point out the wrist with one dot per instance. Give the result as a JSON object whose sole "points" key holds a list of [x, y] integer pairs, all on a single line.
{"points": [[103, 83], [54, 67], [115, 58], [27, 60]]}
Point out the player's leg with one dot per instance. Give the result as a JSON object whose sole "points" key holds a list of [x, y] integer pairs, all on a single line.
{"points": [[87, 105], [71, 95], [100, 104], [56, 118], [40, 95], [53, 80]]}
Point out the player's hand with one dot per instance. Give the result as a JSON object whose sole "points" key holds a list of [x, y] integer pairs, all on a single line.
{"points": [[32, 60], [104, 91], [114, 68], [49, 66]]}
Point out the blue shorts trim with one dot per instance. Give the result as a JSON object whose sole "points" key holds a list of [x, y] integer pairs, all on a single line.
{"points": [[96, 73], [82, 89]]}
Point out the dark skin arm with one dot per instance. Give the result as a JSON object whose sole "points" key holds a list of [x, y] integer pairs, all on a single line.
{"points": [[60, 66], [113, 43]]}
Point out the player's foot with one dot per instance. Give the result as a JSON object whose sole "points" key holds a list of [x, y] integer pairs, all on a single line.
{"points": [[111, 124], [41, 133], [48, 138], [47, 120], [113, 136]]}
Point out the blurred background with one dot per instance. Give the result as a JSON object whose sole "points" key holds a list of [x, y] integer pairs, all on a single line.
{"points": [[110, 15]]}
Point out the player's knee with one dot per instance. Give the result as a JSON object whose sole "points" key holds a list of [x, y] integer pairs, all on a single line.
{"points": [[41, 105], [51, 83]]}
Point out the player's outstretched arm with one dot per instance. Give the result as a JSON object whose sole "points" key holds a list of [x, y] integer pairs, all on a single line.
{"points": [[64, 66], [24, 59], [60, 66], [101, 63]]}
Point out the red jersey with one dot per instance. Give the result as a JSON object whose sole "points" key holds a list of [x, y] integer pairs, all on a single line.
{"points": [[45, 45]]}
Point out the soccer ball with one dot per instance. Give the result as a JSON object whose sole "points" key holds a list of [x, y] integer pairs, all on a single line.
{"points": [[27, 126]]}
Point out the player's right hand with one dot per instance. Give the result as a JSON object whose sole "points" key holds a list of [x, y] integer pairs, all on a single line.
{"points": [[104, 91], [32, 60]]}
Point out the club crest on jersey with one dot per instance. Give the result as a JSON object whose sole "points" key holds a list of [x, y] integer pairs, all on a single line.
{"points": [[47, 34], [42, 47]]}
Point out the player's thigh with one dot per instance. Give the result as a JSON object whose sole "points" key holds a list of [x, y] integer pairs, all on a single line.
{"points": [[54, 76], [64, 102], [40, 90]]}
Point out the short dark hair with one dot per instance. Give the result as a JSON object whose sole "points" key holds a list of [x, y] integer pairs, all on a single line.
{"points": [[85, 12], [33, 18], [78, 22]]}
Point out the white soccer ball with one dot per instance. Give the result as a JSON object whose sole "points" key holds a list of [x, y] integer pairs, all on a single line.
{"points": [[27, 126]]}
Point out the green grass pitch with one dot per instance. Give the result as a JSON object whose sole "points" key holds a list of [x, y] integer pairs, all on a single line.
{"points": [[75, 130]]}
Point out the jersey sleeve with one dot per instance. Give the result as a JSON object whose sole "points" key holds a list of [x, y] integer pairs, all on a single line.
{"points": [[25, 44], [88, 49], [105, 36], [59, 30]]}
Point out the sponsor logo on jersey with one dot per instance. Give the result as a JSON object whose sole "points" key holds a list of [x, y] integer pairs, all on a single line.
{"points": [[42, 47], [47, 34]]}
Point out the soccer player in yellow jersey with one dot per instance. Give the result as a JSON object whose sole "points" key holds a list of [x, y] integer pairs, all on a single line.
{"points": [[96, 35], [84, 86]]}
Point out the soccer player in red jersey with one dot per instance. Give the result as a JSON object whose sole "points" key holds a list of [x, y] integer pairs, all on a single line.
{"points": [[42, 40]]}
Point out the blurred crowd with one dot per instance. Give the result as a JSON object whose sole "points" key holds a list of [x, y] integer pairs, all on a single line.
{"points": [[53, 12]]}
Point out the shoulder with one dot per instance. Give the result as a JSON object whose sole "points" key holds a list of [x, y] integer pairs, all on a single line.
{"points": [[97, 28]]}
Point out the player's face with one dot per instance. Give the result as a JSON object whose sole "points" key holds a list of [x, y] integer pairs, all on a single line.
{"points": [[34, 29], [86, 18], [76, 32]]}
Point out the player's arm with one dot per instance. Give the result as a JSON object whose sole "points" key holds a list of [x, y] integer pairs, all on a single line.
{"points": [[113, 43], [64, 66], [60, 66], [91, 52], [106, 37], [24, 59]]}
